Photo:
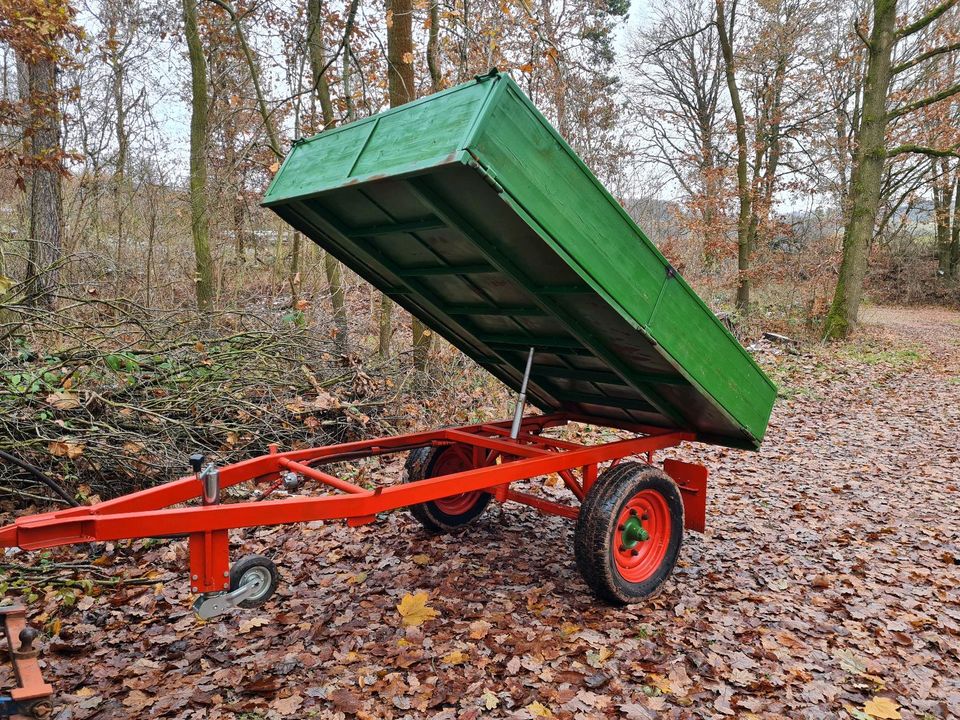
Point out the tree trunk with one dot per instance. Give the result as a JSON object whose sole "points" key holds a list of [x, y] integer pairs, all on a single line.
{"points": [[866, 176], [294, 275], [400, 52], [254, 69], [347, 84], [152, 191], [46, 201], [744, 190], [955, 230], [402, 90], [235, 188], [433, 41], [199, 132], [942, 187], [318, 62]]}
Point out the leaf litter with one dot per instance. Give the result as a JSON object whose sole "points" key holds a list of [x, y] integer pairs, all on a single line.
{"points": [[825, 586]]}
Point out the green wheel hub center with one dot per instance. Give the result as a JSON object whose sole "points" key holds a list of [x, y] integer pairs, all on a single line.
{"points": [[633, 533]]}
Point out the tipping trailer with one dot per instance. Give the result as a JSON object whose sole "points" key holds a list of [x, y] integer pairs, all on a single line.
{"points": [[469, 210]]}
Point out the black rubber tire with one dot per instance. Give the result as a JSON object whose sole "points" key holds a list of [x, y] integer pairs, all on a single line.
{"points": [[596, 530], [419, 466], [250, 563]]}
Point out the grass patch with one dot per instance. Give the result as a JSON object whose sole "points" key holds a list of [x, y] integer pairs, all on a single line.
{"points": [[899, 357]]}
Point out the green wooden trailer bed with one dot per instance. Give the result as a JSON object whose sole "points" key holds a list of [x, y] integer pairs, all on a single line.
{"points": [[469, 210]]}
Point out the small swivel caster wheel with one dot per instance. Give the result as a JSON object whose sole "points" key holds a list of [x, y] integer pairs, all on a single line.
{"points": [[41, 710], [257, 573]]}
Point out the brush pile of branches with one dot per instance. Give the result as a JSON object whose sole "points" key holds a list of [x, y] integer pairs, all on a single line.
{"points": [[107, 399]]}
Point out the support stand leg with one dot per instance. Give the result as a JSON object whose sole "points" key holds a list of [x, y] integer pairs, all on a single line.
{"points": [[32, 696], [210, 561]]}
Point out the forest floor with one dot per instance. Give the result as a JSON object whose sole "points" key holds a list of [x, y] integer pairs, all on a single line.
{"points": [[826, 585]]}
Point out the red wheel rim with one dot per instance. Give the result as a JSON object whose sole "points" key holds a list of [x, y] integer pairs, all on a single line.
{"points": [[453, 460], [642, 536]]}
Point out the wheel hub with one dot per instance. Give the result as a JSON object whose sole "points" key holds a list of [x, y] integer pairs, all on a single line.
{"points": [[642, 536], [632, 532]]}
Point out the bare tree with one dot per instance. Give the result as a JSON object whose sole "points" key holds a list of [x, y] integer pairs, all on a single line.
{"points": [[674, 93]]}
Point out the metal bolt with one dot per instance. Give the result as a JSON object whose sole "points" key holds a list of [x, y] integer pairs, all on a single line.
{"points": [[635, 552], [194, 577], [226, 585], [226, 574], [633, 512], [195, 588], [645, 516]]}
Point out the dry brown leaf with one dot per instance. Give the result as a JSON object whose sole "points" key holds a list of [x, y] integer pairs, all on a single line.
{"points": [[137, 700], [539, 711], [254, 622], [660, 682], [132, 448], [63, 400], [479, 629], [66, 448], [597, 659], [457, 657], [287, 705], [345, 701], [882, 707], [414, 610]]}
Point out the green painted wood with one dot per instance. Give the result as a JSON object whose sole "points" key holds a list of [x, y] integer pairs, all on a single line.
{"points": [[444, 270], [397, 228], [505, 310], [469, 209]]}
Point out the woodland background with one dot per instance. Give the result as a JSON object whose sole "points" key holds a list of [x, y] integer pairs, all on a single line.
{"points": [[787, 156]]}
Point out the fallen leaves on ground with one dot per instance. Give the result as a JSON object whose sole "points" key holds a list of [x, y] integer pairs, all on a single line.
{"points": [[824, 587]]}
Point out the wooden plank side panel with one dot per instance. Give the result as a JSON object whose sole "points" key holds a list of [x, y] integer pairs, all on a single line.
{"points": [[541, 173], [516, 148], [697, 342], [421, 135]]}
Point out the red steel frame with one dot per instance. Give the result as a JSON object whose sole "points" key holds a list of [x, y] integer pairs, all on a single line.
{"points": [[499, 460]]}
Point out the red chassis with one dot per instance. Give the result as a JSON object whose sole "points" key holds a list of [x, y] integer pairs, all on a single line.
{"points": [[495, 461]]}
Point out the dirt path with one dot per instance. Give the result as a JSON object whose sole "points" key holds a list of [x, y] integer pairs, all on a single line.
{"points": [[826, 578]]}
